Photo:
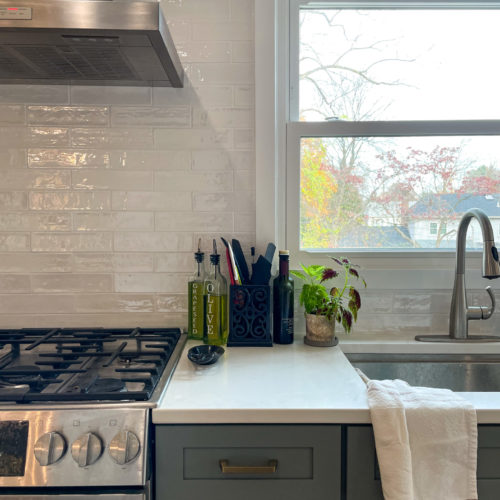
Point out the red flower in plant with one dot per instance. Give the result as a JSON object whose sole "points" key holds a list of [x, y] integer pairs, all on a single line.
{"points": [[328, 274]]}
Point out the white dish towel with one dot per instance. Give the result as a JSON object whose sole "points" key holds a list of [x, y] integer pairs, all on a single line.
{"points": [[426, 441]]}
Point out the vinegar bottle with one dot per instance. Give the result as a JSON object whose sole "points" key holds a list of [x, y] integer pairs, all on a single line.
{"points": [[283, 302], [215, 299], [195, 297]]}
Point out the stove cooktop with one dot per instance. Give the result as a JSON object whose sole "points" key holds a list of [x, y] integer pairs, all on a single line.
{"points": [[83, 364]]}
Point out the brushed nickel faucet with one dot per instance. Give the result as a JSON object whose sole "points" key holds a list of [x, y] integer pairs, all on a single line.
{"points": [[460, 312]]}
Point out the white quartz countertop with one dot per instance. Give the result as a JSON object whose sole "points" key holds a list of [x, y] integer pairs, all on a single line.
{"points": [[290, 384]]}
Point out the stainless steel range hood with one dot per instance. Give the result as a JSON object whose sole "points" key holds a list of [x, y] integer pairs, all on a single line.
{"points": [[87, 42]]}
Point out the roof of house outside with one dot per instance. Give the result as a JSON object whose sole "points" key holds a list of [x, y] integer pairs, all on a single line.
{"points": [[377, 237], [457, 204]]}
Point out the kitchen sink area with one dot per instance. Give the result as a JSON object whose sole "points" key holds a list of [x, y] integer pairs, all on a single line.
{"points": [[458, 372]]}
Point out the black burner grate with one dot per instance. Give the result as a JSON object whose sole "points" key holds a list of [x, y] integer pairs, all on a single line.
{"points": [[64, 364]]}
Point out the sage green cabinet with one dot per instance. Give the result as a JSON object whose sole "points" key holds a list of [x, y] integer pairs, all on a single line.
{"points": [[307, 461], [363, 477]]}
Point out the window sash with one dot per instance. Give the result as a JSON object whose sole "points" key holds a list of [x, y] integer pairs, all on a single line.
{"points": [[296, 130]]}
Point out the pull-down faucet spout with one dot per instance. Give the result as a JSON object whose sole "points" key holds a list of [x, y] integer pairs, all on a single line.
{"points": [[460, 312]]}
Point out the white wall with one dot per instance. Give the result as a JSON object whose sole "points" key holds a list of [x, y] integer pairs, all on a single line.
{"points": [[104, 191]]}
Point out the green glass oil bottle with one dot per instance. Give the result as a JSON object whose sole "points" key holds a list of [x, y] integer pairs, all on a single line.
{"points": [[215, 300], [196, 283]]}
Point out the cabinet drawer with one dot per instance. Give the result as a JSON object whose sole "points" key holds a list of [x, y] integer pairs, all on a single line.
{"points": [[260, 461], [290, 463]]}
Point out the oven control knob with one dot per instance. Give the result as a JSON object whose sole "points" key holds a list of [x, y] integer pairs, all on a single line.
{"points": [[87, 449], [50, 448], [124, 447]]}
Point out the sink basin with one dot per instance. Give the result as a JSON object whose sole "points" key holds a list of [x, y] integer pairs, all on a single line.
{"points": [[458, 372]]}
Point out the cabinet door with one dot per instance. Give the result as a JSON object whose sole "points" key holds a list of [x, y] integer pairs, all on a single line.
{"points": [[488, 462], [260, 461], [363, 476]]}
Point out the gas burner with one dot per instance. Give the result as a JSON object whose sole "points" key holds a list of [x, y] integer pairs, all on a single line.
{"points": [[107, 385], [64, 364]]}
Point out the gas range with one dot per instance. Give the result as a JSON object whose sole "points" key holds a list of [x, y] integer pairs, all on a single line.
{"points": [[75, 406]]}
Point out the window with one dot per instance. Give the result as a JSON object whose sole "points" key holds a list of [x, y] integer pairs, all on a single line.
{"points": [[393, 125]]}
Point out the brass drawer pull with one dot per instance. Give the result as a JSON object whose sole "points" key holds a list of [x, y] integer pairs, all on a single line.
{"points": [[270, 468]]}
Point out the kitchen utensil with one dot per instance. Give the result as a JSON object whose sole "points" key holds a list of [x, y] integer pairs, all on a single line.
{"points": [[236, 274], [271, 248], [261, 271], [241, 262]]}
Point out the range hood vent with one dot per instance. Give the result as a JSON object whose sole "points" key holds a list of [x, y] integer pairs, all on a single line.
{"points": [[87, 42]]}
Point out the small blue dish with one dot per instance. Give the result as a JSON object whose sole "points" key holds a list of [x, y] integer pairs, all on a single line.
{"points": [[205, 354]]}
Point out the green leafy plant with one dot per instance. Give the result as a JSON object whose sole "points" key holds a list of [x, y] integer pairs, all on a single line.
{"points": [[340, 303]]}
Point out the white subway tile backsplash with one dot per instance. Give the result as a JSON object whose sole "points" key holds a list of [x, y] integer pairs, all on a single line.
{"points": [[79, 200], [58, 283], [34, 222], [34, 179], [113, 137], [15, 283], [244, 139], [159, 201], [204, 51], [172, 303], [243, 52], [151, 160], [122, 221], [223, 117], [109, 95], [151, 282], [12, 114], [242, 10], [111, 179], [116, 302], [12, 158], [105, 190], [117, 262], [19, 137], [79, 242], [151, 116], [68, 158], [192, 138], [193, 181], [195, 221], [68, 115], [13, 200], [35, 263], [153, 242], [244, 95], [196, 9], [34, 94], [179, 262], [24, 304], [220, 73], [230, 31], [241, 201], [14, 242]]}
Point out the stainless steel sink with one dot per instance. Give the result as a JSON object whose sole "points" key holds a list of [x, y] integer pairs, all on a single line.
{"points": [[458, 372]]}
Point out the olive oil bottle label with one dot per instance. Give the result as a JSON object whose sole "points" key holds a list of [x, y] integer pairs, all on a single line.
{"points": [[215, 319], [195, 328]]}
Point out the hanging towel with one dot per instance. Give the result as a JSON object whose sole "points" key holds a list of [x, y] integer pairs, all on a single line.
{"points": [[426, 441]]}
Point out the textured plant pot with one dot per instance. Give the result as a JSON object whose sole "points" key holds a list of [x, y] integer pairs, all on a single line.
{"points": [[320, 331]]}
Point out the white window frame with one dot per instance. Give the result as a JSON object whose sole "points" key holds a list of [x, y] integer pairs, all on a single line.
{"points": [[278, 134]]}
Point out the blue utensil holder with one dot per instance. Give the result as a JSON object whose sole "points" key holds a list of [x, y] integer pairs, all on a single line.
{"points": [[249, 316]]}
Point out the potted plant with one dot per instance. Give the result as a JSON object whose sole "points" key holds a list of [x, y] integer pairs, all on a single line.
{"points": [[326, 306]]}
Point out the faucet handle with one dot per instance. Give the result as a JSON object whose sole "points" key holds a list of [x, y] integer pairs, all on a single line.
{"points": [[487, 312]]}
